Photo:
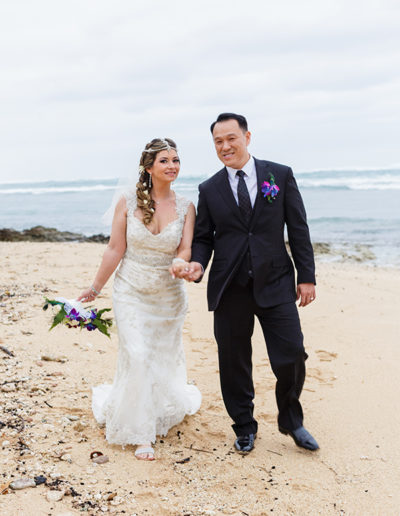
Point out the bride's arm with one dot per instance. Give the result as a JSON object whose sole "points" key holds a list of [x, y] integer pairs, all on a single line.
{"points": [[184, 251], [112, 255]]}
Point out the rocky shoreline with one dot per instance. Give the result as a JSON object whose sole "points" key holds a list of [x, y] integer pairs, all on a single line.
{"points": [[44, 234]]}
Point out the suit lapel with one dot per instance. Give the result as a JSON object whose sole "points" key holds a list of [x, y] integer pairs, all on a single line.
{"points": [[262, 175], [225, 190]]}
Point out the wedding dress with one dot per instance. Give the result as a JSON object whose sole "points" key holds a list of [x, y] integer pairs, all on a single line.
{"points": [[149, 393]]}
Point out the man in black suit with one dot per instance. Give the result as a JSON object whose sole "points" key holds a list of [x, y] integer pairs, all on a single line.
{"points": [[241, 215]]}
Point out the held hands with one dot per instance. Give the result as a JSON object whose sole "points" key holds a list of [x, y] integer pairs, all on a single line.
{"points": [[306, 293], [189, 271]]}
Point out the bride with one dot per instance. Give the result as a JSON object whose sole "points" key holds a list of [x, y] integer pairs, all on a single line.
{"points": [[151, 241]]}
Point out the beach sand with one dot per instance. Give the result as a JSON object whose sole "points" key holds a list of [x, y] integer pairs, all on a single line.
{"points": [[350, 402]]}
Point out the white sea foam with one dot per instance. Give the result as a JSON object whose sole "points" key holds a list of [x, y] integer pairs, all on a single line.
{"points": [[358, 181], [38, 190]]}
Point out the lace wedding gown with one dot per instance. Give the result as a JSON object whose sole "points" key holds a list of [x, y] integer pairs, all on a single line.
{"points": [[149, 393]]}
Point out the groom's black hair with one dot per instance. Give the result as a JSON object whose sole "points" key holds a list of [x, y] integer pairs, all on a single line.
{"points": [[240, 119]]}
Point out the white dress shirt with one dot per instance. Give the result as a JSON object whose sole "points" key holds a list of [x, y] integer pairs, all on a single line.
{"points": [[250, 178]]}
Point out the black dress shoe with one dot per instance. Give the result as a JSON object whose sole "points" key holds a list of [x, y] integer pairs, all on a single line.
{"points": [[301, 437], [245, 443]]}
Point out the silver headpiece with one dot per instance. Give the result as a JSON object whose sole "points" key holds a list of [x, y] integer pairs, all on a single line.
{"points": [[166, 144]]}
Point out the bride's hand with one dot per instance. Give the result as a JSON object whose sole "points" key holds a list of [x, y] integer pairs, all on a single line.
{"points": [[87, 295], [179, 269]]}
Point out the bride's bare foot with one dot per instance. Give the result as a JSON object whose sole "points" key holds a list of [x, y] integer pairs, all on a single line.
{"points": [[144, 452]]}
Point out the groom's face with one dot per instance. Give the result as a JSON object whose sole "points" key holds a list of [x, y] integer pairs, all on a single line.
{"points": [[231, 143]]}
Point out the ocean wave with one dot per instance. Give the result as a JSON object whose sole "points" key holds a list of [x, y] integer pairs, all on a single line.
{"points": [[54, 189], [350, 181]]}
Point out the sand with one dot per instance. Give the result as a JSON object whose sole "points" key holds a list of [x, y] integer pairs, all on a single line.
{"points": [[350, 401]]}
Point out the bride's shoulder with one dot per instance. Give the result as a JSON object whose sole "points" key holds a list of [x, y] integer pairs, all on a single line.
{"points": [[182, 203], [130, 200]]}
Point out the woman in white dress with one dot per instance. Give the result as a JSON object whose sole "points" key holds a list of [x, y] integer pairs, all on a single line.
{"points": [[150, 240]]}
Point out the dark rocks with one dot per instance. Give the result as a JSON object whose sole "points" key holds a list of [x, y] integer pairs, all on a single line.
{"points": [[43, 234]]}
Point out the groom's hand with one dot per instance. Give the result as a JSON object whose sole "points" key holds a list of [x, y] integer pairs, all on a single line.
{"points": [[194, 273], [306, 293]]}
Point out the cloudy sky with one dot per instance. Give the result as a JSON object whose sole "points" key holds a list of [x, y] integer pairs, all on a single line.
{"points": [[85, 84]]}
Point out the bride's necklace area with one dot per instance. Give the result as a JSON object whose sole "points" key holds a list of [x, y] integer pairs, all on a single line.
{"points": [[163, 200]]}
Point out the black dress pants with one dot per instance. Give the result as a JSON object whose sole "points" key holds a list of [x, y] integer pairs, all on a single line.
{"points": [[233, 329]]}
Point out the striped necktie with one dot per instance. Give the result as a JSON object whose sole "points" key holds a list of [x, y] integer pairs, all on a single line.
{"points": [[244, 197]]}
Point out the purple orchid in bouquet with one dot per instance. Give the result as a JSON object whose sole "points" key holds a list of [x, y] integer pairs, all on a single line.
{"points": [[270, 189], [74, 315]]}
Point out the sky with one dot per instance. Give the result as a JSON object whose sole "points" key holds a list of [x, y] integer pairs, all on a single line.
{"points": [[84, 85]]}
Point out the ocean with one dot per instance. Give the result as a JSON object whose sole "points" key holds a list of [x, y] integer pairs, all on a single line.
{"points": [[348, 209]]}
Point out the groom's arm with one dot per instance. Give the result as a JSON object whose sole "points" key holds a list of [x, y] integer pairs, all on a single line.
{"points": [[298, 232]]}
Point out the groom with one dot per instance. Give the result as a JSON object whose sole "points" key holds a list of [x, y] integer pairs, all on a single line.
{"points": [[242, 213]]}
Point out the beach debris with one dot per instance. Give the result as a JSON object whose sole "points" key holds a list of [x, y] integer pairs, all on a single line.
{"points": [[54, 358], [40, 479], [54, 496], [22, 483], [98, 457], [182, 461], [4, 488], [197, 449], [7, 351]]}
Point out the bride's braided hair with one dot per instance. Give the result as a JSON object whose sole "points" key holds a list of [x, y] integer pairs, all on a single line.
{"points": [[143, 187]]}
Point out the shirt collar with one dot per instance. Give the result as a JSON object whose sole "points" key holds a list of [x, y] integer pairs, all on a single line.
{"points": [[249, 168]]}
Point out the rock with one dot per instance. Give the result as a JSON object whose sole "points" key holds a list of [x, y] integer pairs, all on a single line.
{"points": [[44, 234], [22, 483], [4, 444], [53, 358], [9, 387], [101, 459], [79, 427], [117, 500], [40, 479], [72, 418], [54, 496], [66, 457]]}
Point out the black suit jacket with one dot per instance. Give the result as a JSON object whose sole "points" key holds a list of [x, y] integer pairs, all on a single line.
{"points": [[220, 228]]}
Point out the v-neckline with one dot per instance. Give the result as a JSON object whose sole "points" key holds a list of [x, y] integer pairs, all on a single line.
{"points": [[165, 227]]}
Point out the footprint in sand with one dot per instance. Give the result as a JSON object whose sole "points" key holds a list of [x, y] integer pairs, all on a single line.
{"points": [[325, 356]]}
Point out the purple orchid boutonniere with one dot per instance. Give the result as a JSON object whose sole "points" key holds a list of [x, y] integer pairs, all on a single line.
{"points": [[269, 189]]}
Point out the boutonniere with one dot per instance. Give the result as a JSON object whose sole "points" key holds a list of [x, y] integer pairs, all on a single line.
{"points": [[270, 189]]}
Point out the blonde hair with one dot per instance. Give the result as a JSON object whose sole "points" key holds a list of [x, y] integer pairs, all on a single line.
{"points": [[143, 187]]}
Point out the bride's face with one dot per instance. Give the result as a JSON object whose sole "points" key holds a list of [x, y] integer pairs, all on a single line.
{"points": [[165, 168]]}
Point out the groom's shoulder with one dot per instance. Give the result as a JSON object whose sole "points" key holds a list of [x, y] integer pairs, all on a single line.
{"points": [[276, 167], [211, 181]]}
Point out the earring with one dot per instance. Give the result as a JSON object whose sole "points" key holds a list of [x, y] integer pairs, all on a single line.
{"points": [[149, 181]]}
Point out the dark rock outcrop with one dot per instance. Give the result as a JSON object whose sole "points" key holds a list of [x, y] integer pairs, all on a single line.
{"points": [[43, 234]]}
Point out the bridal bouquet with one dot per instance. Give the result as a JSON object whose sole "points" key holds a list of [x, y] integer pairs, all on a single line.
{"points": [[74, 315]]}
